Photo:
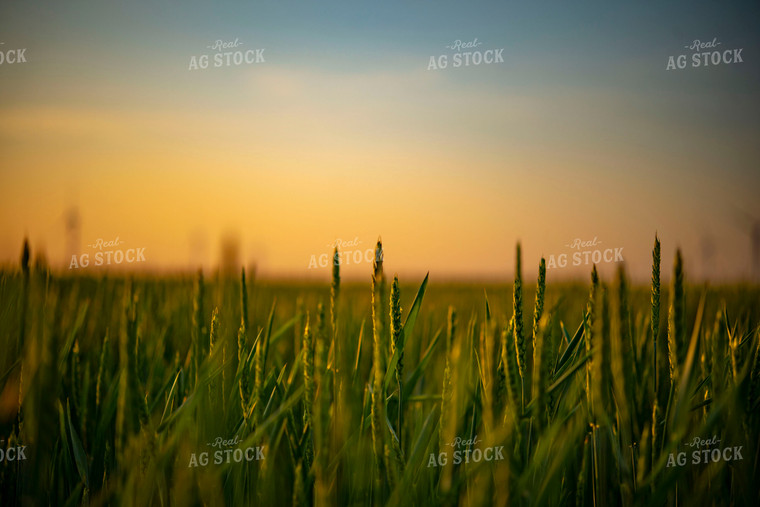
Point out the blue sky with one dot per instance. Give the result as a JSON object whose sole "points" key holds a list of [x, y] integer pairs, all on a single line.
{"points": [[580, 132]]}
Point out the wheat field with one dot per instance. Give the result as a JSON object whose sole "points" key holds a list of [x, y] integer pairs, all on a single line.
{"points": [[184, 390]]}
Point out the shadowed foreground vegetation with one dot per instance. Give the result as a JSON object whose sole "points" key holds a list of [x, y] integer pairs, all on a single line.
{"points": [[116, 387]]}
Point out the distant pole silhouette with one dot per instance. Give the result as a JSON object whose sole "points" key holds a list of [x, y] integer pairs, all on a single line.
{"points": [[73, 233], [230, 256]]}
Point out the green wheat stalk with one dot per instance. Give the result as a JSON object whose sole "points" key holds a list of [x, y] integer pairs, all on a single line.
{"points": [[244, 387], [101, 371], [138, 396], [322, 380], [655, 299], [588, 331], [377, 414], [676, 319], [501, 397], [243, 301], [397, 343], [538, 308], [259, 363], [242, 337], [603, 406], [603, 360], [625, 360], [379, 351], [131, 407], [378, 299], [322, 403], [334, 293], [622, 367], [718, 354], [308, 395], [75, 367], [541, 369], [657, 426], [198, 330], [519, 327], [509, 362], [212, 338], [446, 393], [335, 345], [25, 254]]}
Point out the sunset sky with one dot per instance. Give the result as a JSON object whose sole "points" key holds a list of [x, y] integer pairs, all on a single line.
{"points": [[344, 133]]}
